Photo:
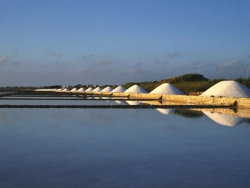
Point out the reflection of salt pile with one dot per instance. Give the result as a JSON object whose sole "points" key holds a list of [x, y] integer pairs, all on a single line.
{"points": [[120, 102], [135, 89], [119, 89], [107, 89], [228, 89], [224, 119], [80, 90], [164, 111], [167, 89], [133, 102], [89, 89], [97, 89]]}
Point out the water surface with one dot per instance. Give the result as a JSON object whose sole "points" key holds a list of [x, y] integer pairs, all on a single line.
{"points": [[120, 148]]}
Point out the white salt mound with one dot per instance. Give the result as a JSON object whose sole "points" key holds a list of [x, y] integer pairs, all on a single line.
{"points": [[119, 89], [107, 89], [89, 89], [74, 89], [135, 89], [224, 119], [167, 89], [97, 89], [228, 89], [81, 89]]}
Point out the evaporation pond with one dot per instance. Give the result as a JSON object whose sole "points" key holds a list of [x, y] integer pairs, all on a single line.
{"points": [[121, 148]]}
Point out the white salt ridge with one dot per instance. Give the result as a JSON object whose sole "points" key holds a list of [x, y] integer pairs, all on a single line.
{"points": [[167, 89], [89, 89], [107, 89], [135, 89], [80, 90], [97, 89], [224, 119], [119, 89], [228, 89]]}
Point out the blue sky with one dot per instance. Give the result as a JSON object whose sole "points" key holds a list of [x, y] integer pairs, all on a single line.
{"points": [[47, 42]]}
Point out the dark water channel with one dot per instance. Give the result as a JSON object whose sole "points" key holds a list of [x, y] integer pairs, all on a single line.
{"points": [[122, 148]]}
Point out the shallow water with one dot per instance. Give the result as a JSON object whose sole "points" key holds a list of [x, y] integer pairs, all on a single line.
{"points": [[121, 148]]}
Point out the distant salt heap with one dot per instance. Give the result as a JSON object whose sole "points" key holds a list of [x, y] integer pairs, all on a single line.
{"points": [[167, 89], [228, 89], [89, 89], [74, 89], [119, 89], [98, 89], [107, 89], [80, 90], [135, 89]]}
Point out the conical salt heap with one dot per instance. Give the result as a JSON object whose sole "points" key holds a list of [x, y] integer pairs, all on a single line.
{"points": [[167, 89], [107, 89], [97, 89], [80, 90], [89, 89], [228, 89], [135, 89], [119, 89], [74, 89]]}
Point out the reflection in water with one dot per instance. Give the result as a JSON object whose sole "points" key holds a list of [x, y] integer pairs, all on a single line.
{"points": [[188, 113], [133, 102], [165, 111], [224, 119], [119, 148], [121, 102]]}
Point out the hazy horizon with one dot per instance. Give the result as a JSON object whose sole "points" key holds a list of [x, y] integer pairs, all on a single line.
{"points": [[51, 42]]}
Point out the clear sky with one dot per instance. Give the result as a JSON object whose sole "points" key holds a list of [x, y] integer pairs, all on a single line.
{"points": [[68, 42]]}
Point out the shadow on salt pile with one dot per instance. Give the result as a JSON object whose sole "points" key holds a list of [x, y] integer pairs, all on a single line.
{"points": [[228, 89], [224, 119]]}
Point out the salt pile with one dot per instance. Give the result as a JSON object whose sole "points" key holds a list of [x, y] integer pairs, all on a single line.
{"points": [[119, 89], [89, 89], [80, 90], [107, 89], [224, 119], [97, 89], [74, 89], [228, 89], [167, 89], [135, 89]]}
